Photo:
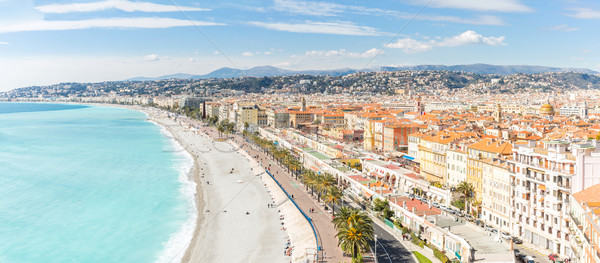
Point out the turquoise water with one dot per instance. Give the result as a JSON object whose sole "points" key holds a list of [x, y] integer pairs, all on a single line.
{"points": [[90, 184]]}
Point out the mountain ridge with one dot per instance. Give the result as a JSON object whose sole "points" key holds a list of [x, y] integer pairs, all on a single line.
{"points": [[271, 71]]}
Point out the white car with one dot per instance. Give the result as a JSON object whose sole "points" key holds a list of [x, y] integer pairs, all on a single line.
{"points": [[505, 235]]}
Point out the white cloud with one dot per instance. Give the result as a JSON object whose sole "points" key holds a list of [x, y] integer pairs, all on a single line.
{"points": [[151, 57], [585, 13], [123, 5], [3, 43], [478, 5], [409, 45], [470, 37], [217, 53], [563, 28], [247, 54], [192, 60], [142, 22], [335, 28], [267, 53]]}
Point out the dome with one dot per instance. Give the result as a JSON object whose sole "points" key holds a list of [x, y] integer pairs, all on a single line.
{"points": [[546, 109]]}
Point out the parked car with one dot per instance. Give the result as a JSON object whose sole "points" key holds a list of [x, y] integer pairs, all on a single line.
{"points": [[529, 259], [553, 257], [435, 204], [516, 240], [517, 253], [505, 235]]}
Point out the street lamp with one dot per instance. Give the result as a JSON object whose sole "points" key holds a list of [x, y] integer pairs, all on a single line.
{"points": [[375, 249]]}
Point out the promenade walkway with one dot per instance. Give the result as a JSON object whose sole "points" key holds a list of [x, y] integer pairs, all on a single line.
{"points": [[321, 218], [330, 252]]}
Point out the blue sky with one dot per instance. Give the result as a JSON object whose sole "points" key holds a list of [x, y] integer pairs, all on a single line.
{"points": [[51, 41]]}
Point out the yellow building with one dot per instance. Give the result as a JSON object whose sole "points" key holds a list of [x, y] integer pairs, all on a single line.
{"points": [[432, 154], [480, 152], [298, 118], [369, 135]]}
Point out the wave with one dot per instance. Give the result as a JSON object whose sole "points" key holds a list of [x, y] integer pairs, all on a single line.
{"points": [[174, 249]]}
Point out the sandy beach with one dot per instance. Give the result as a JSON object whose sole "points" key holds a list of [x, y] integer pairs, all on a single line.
{"points": [[235, 220]]}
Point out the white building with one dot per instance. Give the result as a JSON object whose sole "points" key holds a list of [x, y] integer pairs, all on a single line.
{"points": [[496, 200], [457, 166], [572, 110]]}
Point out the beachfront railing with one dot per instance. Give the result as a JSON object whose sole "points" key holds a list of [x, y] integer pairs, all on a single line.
{"points": [[301, 211]]}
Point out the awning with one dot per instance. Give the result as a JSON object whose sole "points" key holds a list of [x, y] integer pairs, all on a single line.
{"points": [[542, 199], [542, 187], [368, 195], [408, 157]]}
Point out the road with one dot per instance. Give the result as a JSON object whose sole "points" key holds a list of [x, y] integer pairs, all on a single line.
{"points": [[389, 249]]}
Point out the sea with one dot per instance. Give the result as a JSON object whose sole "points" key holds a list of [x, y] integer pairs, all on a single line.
{"points": [[90, 184]]}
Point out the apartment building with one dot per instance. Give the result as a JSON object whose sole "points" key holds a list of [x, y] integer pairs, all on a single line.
{"points": [[456, 159], [478, 154], [432, 155], [278, 118], [395, 136], [496, 194], [585, 225]]}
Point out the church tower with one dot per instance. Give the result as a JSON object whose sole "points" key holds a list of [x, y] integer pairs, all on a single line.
{"points": [[498, 113], [303, 108]]}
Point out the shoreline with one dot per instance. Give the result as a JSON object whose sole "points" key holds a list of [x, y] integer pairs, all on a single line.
{"points": [[217, 237], [193, 176]]}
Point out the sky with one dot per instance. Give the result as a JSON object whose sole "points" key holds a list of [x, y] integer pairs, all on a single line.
{"points": [[53, 41]]}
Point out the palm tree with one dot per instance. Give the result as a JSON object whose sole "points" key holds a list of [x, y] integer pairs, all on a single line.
{"points": [[355, 231], [332, 197], [467, 192], [380, 205], [294, 165], [323, 182], [309, 179], [221, 129]]}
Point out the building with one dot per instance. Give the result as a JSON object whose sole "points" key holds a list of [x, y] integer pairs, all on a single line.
{"points": [[456, 159], [574, 110], [250, 116], [432, 154], [497, 194], [543, 178], [478, 154], [395, 136], [546, 109], [300, 118], [585, 225], [278, 118]]}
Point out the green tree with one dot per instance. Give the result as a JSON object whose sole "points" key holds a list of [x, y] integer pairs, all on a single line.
{"points": [[355, 232], [380, 204], [323, 181], [221, 129], [332, 197], [309, 179], [467, 192]]}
